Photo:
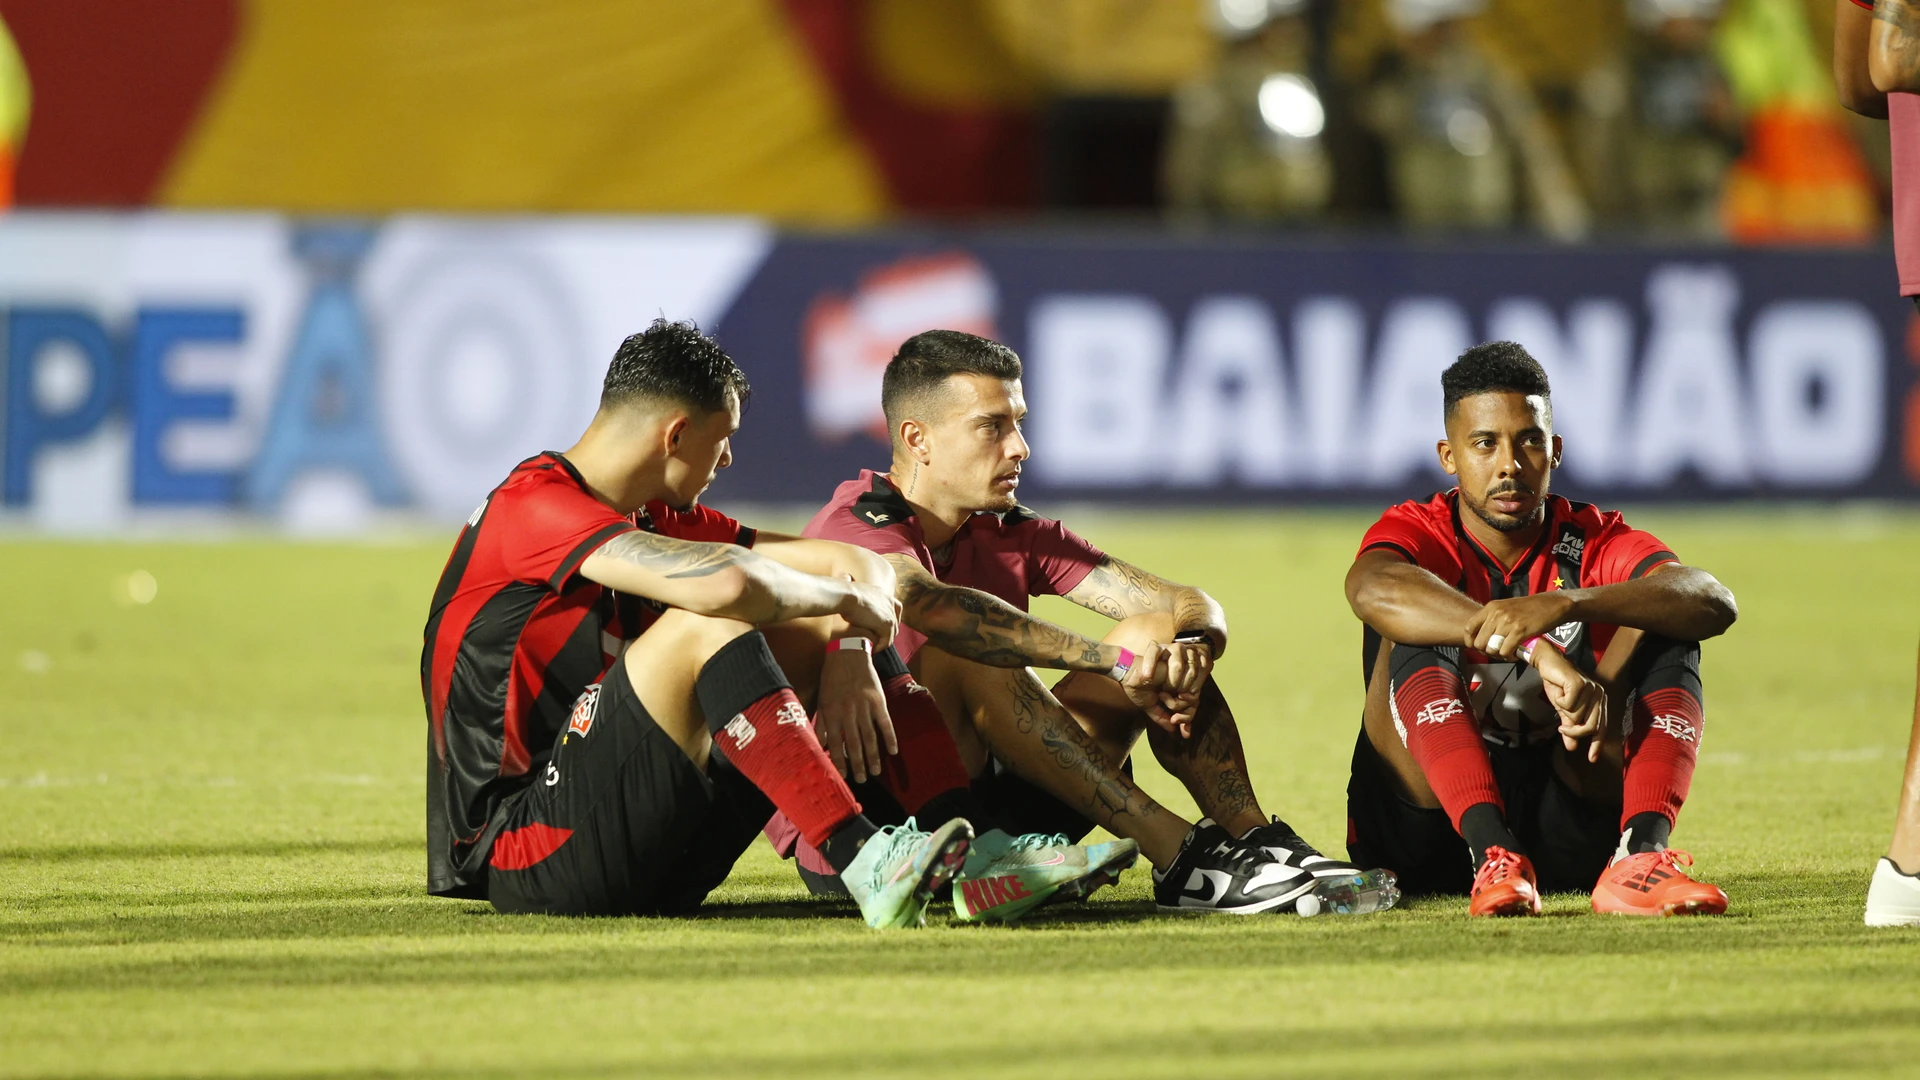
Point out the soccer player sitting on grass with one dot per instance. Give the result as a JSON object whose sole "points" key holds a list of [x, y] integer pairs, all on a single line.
{"points": [[1499, 620], [1035, 761], [568, 775]]}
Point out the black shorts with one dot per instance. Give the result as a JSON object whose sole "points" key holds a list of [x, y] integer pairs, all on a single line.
{"points": [[645, 831], [1569, 838]]}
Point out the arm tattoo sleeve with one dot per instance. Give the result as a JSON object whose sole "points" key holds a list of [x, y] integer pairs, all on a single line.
{"points": [[983, 628], [1902, 41], [669, 557], [1118, 589]]}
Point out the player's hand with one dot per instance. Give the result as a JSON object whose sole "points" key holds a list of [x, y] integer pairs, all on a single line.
{"points": [[1580, 701], [872, 612], [1146, 686], [1514, 621], [852, 721]]}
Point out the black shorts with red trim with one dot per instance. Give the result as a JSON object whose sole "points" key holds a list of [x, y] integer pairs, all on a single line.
{"points": [[621, 822], [1568, 837]]}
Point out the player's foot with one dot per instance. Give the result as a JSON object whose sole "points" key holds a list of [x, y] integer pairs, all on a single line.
{"points": [[899, 868], [1286, 846], [1894, 898], [1214, 872], [1655, 883], [1005, 877], [1505, 885]]}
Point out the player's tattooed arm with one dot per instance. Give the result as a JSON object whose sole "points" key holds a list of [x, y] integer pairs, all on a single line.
{"points": [[1118, 589], [1893, 52], [732, 582], [981, 627]]}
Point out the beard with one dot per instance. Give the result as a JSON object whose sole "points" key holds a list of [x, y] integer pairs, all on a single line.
{"points": [[1500, 522]]}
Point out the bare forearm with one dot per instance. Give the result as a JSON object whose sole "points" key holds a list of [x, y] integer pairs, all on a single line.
{"points": [[1893, 57], [1682, 602], [983, 628], [1852, 81], [1407, 604], [774, 593]]}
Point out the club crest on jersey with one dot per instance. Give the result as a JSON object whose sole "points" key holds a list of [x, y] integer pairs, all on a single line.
{"points": [[1564, 634], [741, 729], [1439, 712], [581, 721]]}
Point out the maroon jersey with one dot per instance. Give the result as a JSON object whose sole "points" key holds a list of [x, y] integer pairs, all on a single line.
{"points": [[515, 634], [1014, 555], [1580, 547]]}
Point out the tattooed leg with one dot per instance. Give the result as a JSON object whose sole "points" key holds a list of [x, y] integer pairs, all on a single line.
{"points": [[1011, 713], [1212, 764]]}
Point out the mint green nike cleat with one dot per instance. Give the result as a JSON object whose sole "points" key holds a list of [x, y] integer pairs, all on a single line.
{"points": [[1007, 876], [900, 868]]}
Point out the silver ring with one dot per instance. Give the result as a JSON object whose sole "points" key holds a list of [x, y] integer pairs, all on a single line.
{"points": [[1496, 642]]}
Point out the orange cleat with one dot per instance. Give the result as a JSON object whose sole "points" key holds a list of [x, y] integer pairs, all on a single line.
{"points": [[1655, 884], [1505, 885]]}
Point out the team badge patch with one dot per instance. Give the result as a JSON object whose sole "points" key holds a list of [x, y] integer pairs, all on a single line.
{"points": [[583, 709]]}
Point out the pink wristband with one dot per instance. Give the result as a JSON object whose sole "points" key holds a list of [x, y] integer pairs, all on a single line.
{"points": [[851, 644], [1124, 665], [1527, 646]]}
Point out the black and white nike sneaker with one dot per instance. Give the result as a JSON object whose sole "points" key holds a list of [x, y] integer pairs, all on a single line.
{"points": [[1216, 873], [1279, 840]]}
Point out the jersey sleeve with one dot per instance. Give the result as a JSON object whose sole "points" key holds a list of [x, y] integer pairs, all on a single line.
{"points": [[699, 522], [1058, 558], [1621, 553], [554, 527], [844, 523], [1409, 530]]}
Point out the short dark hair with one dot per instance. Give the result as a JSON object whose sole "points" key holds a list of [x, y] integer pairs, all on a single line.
{"points": [[927, 360], [673, 362], [1495, 367]]}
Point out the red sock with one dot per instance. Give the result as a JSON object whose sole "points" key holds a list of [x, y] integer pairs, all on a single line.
{"points": [[1661, 751], [761, 727], [1430, 709], [928, 763]]}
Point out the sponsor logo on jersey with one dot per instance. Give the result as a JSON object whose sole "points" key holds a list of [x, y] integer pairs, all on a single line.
{"points": [[790, 713], [741, 729], [581, 721], [1564, 634], [1571, 546], [877, 519], [1439, 712]]}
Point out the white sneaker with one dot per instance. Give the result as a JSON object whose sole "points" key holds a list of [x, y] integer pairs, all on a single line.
{"points": [[1894, 898]]}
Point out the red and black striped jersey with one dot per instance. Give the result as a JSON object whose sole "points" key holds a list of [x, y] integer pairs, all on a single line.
{"points": [[1580, 547], [514, 635]]}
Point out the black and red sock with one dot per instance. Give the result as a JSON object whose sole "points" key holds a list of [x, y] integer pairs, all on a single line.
{"points": [[1430, 708], [1663, 743], [928, 765], [762, 728]]}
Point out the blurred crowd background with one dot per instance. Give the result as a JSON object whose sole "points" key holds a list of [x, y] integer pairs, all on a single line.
{"points": [[1563, 119]]}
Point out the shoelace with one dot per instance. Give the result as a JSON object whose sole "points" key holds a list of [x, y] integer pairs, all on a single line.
{"points": [[906, 835], [1033, 841], [1679, 861], [1501, 864]]}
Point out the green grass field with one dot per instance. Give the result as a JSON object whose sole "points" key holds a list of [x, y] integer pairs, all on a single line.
{"points": [[211, 858]]}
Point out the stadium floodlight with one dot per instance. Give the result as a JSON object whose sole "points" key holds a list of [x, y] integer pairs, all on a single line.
{"points": [[1290, 106]]}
